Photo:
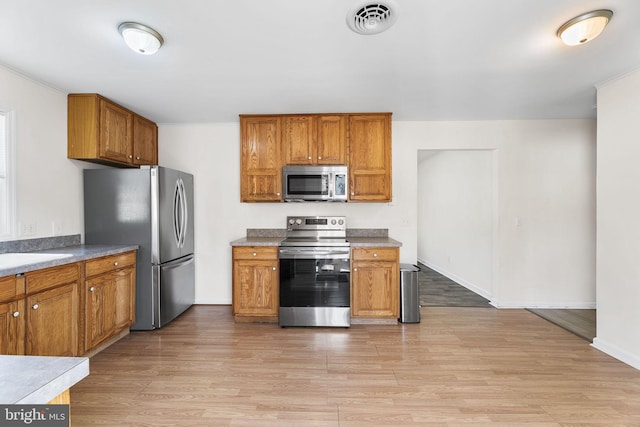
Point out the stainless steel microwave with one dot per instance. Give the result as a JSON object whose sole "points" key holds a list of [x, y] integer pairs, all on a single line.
{"points": [[314, 183]]}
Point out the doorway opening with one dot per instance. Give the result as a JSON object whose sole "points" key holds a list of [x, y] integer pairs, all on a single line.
{"points": [[456, 227]]}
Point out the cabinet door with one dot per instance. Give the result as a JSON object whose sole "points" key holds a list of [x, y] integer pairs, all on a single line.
{"points": [[116, 125], [12, 327], [255, 287], [375, 282], [145, 141], [331, 140], [370, 157], [109, 305], [298, 140], [260, 162], [52, 322]]}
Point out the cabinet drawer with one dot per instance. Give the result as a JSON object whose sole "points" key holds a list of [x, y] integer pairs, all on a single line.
{"points": [[375, 254], [7, 288], [255, 252], [51, 277], [109, 263]]}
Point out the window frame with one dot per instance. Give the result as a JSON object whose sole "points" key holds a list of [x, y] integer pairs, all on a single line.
{"points": [[8, 230]]}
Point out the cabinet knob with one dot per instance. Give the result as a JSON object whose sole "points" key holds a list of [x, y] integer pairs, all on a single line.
{"points": [[353, 194], [115, 263], [309, 158], [16, 314], [355, 269], [319, 157], [273, 268], [35, 306], [137, 157], [130, 156], [91, 289], [277, 194], [375, 255], [255, 254]]}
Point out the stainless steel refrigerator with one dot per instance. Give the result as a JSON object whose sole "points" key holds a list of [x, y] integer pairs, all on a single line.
{"points": [[151, 207]]}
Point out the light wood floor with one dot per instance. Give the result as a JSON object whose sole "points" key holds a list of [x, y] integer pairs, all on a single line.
{"points": [[459, 366]]}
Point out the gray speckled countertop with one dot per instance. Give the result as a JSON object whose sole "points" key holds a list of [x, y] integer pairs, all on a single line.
{"points": [[257, 241], [355, 236], [38, 379], [78, 253], [373, 241]]}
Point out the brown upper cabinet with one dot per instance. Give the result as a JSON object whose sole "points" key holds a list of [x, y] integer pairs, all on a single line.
{"points": [[370, 157], [102, 131], [314, 139], [260, 159], [361, 141]]}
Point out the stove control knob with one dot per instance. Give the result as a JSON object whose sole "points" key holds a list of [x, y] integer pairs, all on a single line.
{"points": [[291, 221], [298, 221], [333, 222], [341, 221]]}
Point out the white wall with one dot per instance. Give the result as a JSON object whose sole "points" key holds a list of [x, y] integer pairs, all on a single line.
{"points": [[544, 181], [49, 186], [456, 215], [618, 178]]}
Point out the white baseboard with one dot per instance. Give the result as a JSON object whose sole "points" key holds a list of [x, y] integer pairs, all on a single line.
{"points": [[616, 352], [546, 305], [473, 288]]}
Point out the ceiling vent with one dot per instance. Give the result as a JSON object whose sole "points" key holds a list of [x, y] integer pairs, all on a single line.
{"points": [[372, 17]]}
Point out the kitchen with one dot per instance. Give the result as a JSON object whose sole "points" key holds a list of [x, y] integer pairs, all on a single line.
{"points": [[211, 152]]}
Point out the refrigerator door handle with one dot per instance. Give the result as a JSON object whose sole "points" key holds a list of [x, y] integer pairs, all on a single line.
{"points": [[180, 213], [184, 213], [177, 213]]}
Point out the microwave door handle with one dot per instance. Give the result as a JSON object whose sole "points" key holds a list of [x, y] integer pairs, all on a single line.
{"points": [[332, 184]]}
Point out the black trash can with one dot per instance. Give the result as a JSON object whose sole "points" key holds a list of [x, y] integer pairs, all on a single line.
{"points": [[409, 294]]}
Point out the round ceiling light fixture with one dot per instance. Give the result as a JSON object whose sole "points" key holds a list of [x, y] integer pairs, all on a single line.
{"points": [[140, 38], [585, 27], [372, 17]]}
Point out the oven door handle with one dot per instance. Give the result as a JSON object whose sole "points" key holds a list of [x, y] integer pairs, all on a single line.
{"points": [[313, 254]]}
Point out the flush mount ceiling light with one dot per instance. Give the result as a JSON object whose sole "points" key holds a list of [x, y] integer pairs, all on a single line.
{"points": [[140, 38], [585, 27], [372, 17]]}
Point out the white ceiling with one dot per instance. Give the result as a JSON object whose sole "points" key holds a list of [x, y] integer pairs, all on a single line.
{"points": [[442, 60]]}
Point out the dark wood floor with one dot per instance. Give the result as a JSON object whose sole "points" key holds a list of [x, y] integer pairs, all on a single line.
{"points": [[581, 322], [458, 366], [437, 290]]}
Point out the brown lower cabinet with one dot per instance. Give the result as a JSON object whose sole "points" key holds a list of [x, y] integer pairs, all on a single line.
{"points": [[256, 278], [11, 324], [375, 286], [110, 297], [40, 312], [47, 312]]}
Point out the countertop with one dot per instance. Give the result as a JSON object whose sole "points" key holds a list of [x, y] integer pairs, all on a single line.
{"points": [[78, 253], [38, 379], [354, 240]]}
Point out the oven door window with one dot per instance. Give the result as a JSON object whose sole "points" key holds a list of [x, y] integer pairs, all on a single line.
{"points": [[308, 185], [314, 283]]}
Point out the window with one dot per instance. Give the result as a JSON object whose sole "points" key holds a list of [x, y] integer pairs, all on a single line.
{"points": [[7, 199]]}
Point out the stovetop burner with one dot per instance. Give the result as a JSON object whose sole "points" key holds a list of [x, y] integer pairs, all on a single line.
{"points": [[306, 241], [316, 231]]}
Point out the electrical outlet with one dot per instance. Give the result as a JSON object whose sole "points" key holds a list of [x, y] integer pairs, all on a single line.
{"points": [[56, 228], [27, 229]]}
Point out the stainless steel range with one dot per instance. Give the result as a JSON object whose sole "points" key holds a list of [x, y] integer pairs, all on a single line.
{"points": [[314, 272]]}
